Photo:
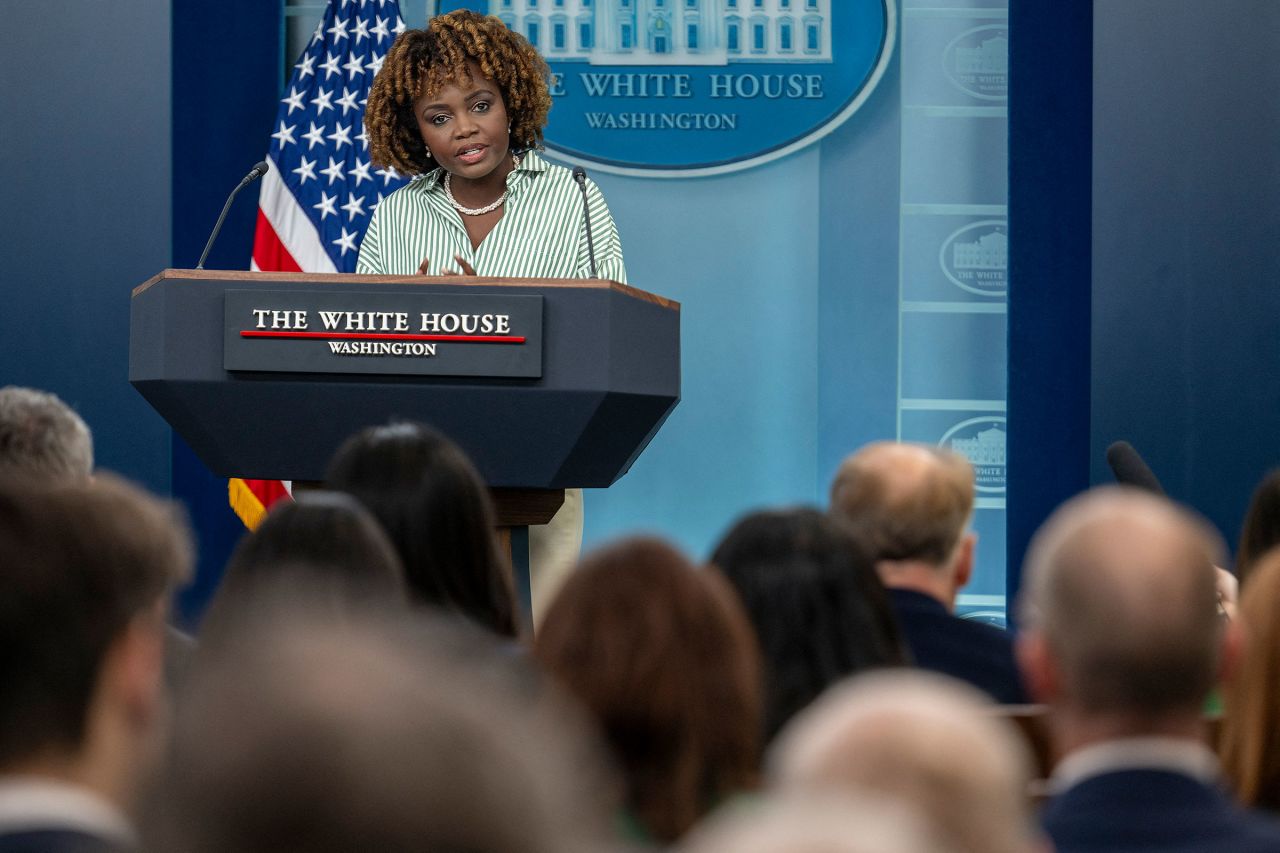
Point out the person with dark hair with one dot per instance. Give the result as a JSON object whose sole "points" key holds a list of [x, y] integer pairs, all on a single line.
{"points": [[324, 540], [460, 105], [86, 571], [1122, 640], [389, 732], [909, 506], [819, 611], [1261, 529], [437, 512], [663, 656]]}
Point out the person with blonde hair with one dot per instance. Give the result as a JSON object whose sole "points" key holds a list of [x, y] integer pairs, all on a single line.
{"points": [[908, 506], [1249, 744]]}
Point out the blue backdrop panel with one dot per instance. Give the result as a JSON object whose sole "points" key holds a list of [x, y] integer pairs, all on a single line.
{"points": [[86, 212], [1050, 139], [226, 78], [1186, 213], [740, 253], [953, 356]]}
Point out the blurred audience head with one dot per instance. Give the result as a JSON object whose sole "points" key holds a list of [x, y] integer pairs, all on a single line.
{"points": [[325, 541], [86, 570], [1261, 529], [663, 656], [395, 731], [909, 505], [41, 438], [815, 824], [1249, 742], [922, 739], [1119, 608], [818, 608], [433, 504]]}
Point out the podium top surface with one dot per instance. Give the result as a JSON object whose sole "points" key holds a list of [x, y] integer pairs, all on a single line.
{"points": [[415, 280]]}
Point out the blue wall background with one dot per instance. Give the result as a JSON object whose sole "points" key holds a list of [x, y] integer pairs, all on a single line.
{"points": [[86, 214], [1186, 245]]}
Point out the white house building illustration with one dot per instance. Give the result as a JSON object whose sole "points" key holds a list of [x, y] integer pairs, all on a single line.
{"points": [[991, 57], [987, 448], [672, 32], [988, 252]]}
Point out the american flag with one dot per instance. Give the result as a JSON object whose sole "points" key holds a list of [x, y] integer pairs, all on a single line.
{"points": [[316, 200]]}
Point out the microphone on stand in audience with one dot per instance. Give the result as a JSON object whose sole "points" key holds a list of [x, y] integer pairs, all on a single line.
{"points": [[1130, 469]]}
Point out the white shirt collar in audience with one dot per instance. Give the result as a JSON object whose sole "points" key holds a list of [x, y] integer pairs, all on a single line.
{"points": [[32, 802], [1177, 755]]}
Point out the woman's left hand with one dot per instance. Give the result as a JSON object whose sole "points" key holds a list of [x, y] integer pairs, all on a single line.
{"points": [[467, 269]]}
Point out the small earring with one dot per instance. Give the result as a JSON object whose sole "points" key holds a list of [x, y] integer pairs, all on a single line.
{"points": [[428, 150]]}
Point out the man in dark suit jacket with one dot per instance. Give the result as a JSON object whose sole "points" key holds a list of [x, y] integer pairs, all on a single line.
{"points": [[1121, 638], [909, 506], [86, 569]]}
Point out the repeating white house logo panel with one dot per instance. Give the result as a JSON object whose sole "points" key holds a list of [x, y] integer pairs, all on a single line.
{"points": [[686, 87]]}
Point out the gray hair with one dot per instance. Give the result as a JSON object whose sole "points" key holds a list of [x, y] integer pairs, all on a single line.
{"points": [[923, 739], [42, 438], [1121, 586]]}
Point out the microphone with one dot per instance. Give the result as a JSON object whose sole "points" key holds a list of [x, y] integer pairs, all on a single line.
{"points": [[256, 172], [1130, 469], [580, 175]]}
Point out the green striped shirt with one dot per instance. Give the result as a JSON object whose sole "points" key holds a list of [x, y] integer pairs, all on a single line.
{"points": [[542, 232]]}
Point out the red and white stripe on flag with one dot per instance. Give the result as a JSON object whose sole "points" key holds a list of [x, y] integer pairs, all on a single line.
{"points": [[315, 203]]}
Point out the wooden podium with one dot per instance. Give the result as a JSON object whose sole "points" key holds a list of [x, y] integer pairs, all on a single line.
{"points": [[571, 402]]}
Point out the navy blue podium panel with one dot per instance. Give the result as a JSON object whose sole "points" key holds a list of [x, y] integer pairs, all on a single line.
{"points": [[610, 377]]}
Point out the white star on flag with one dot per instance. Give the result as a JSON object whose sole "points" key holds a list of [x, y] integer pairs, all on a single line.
{"points": [[326, 205], [330, 65], [347, 241], [348, 100], [306, 170], [354, 206], [334, 172], [327, 187], [314, 136], [341, 136], [294, 100], [361, 172], [322, 101], [285, 135]]}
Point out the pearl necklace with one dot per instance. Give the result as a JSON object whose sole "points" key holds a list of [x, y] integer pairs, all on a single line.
{"points": [[475, 211]]}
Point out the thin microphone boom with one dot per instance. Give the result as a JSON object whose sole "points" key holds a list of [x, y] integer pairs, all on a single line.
{"points": [[256, 172], [580, 175]]}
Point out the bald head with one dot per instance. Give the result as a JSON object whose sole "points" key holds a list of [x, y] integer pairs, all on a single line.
{"points": [[1120, 586], [922, 739], [905, 501]]}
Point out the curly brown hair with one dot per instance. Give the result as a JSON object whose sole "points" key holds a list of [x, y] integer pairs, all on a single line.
{"points": [[424, 60]]}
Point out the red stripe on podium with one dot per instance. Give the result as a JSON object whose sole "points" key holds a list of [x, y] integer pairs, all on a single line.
{"points": [[375, 336]]}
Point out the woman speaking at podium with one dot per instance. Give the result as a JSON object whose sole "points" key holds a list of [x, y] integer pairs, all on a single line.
{"points": [[461, 106]]}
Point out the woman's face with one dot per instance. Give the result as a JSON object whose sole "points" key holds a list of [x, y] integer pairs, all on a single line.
{"points": [[465, 125]]}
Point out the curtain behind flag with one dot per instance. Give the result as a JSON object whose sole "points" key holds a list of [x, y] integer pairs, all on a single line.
{"points": [[316, 200]]}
